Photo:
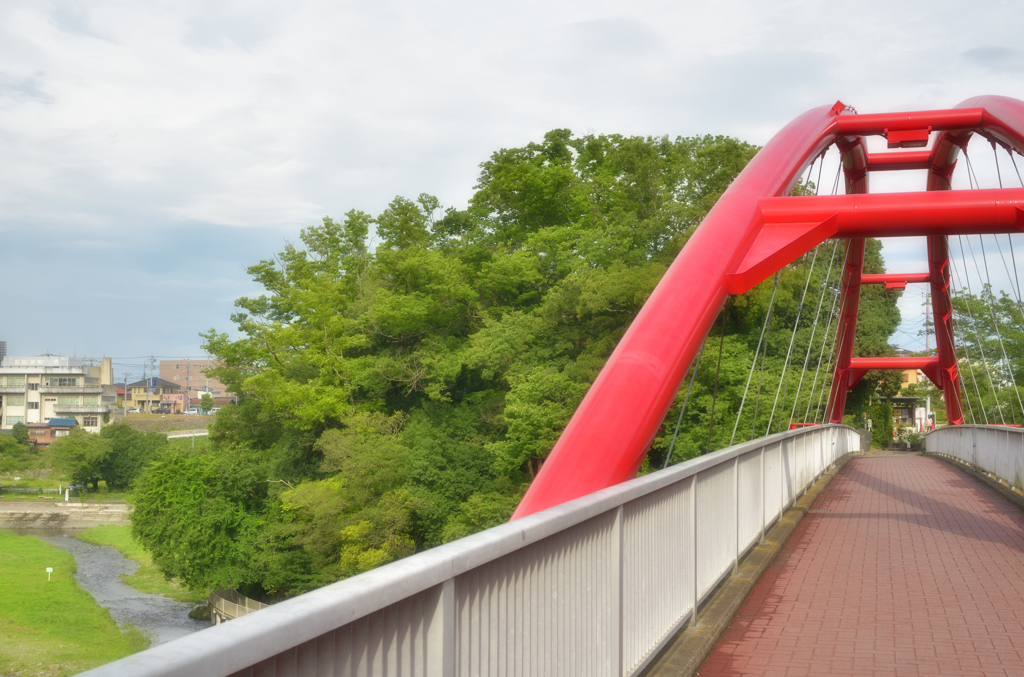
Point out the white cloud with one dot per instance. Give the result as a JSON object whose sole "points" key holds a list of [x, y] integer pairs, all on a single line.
{"points": [[132, 125]]}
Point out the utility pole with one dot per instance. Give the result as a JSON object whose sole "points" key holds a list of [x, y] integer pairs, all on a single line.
{"points": [[149, 385], [126, 393], [927, 324]]}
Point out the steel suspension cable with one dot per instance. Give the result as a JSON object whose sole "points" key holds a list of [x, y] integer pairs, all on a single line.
{"points": [[792, 339], [718, 371], [977, 334], [995, 154], [686, 400], [972, 178], [965, 397], [760, 378], [995, 325], [837, 339], [967, 352], [824, 340], [1014, 161], [810, 341], [757, 352], [1015, 290]]}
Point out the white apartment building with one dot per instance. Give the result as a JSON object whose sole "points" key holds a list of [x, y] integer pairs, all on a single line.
{"points": [[36, 389]]}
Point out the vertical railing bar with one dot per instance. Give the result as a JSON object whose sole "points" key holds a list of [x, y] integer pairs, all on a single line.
{"points": [[616, 576], [764, 487], [736, 504], [693, 546]]}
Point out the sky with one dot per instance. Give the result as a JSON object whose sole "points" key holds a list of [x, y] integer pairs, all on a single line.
{"points": [[151, 151]]}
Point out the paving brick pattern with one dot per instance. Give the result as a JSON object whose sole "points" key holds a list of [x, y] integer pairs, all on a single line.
{"points": [[903, 566]]}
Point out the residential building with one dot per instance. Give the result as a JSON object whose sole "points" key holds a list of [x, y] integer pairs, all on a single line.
{"points": [[154, 393], [44, 434], [909, 376], [191, 375], [37, 389]]}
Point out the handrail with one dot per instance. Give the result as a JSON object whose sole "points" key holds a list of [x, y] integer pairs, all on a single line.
{"points": [[595, 586], [992, 449]]}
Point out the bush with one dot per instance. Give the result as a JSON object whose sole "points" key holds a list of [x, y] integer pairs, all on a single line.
{"points": [[881, 425]]}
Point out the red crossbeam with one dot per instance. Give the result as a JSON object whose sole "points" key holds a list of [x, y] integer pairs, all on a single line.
{"points": [[882, 162], [878, 123], [952, 212], [895, 280], [862, 365], [792, 226], [901, 363]]}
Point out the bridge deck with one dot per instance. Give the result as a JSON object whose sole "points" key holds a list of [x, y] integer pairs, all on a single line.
{"points": [[904, 566]]}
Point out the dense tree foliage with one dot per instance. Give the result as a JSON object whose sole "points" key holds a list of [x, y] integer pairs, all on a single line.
{"points": [[404, 375], [989, 332], [129, 452], [117, 455], [79, 456]]}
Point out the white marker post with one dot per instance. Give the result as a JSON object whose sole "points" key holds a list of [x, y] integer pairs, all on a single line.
{"points": [[49, 570], [67, 495]]}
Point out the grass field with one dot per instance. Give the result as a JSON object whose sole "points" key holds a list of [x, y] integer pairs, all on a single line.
{"points": [[166, 423], [52, 629], [148, 578]]}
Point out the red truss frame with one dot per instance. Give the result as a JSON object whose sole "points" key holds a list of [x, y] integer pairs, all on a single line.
{"points": [[752, 232]]}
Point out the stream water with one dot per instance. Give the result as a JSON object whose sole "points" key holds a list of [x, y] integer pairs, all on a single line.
{"points": [[100, 568]]}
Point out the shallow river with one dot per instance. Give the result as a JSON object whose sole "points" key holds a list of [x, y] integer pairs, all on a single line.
{"points": [[99, 571]]}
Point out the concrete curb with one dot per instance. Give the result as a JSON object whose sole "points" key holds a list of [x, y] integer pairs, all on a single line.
{"points": [[686, 653]]}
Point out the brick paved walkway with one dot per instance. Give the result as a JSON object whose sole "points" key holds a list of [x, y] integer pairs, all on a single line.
{"points": [[904, 566]]}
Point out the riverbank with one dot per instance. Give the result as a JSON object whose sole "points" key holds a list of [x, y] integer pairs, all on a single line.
{"points": [[52, 628], [147, 578], [101, 572], [50, 514]]}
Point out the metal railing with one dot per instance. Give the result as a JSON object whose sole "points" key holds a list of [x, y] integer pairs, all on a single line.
{"points": [[80, 409], [71, 390], [227, 605], [592, 587], [996, 450]]}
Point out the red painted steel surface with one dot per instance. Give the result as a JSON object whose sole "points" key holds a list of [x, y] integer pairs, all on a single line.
{"points": [[611, 431], [847, 328], [999, 210], [946, 374], [795, 225], [882, 162], [895, 278]]}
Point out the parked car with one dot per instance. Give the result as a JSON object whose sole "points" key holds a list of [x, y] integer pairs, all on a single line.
{"points": [[192, 411], [134, 411]]}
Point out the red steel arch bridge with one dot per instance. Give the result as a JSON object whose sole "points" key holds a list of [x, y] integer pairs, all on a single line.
{"points": [[599, 569]]}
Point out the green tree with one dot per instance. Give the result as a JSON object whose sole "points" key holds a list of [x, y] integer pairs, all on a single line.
{"points": [[200, 516], [80, 456], [19, 431], [206, 402], [130, 451]]}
